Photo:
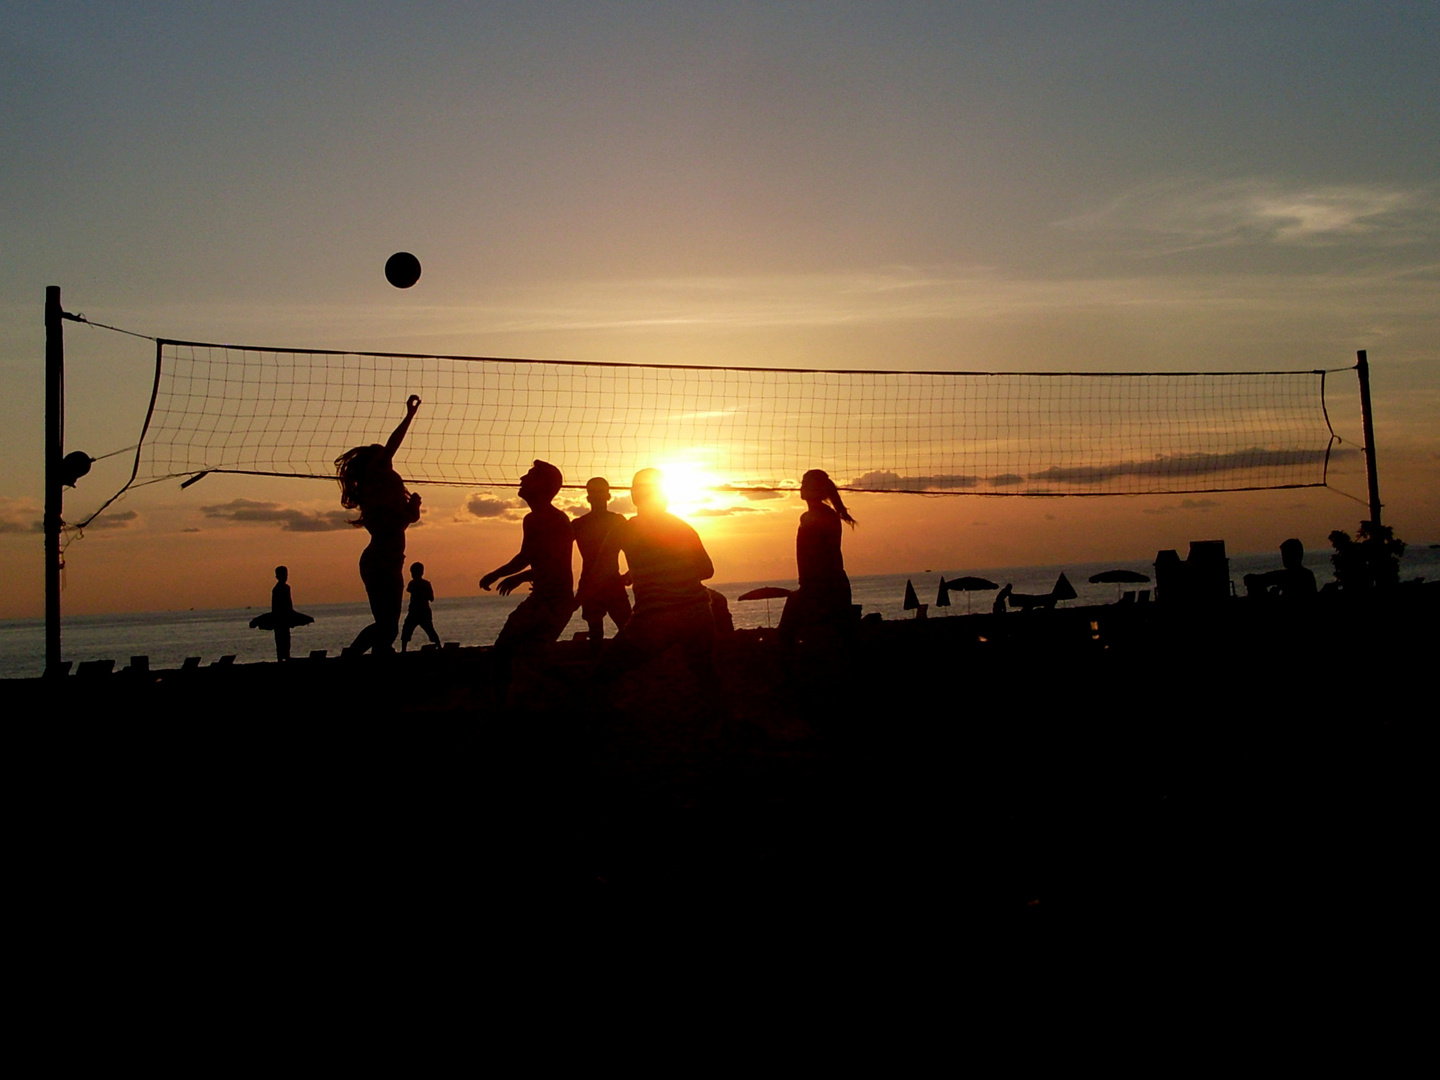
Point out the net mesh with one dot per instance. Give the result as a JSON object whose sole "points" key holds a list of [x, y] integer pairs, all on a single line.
{"points": [[279, 412]]}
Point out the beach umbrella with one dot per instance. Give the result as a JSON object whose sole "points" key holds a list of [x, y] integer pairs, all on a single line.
{"points": [[912, 602], [967, 585], [766, 593], [1119, 577], [942, 598], [1063, 589]]}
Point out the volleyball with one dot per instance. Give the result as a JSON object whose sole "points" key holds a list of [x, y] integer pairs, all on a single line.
{"points": [[402, 270]]}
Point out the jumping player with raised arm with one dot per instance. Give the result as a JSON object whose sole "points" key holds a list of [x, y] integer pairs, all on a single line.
{"points": [[369, 483]]}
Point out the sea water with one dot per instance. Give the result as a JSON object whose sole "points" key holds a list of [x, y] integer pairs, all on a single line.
{"points": [[167, 638]]}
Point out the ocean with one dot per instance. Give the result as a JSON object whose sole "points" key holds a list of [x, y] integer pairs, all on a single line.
{"points": [[168, 637]]}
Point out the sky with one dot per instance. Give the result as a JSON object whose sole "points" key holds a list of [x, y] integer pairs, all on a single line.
{"points": [[1008, 186]]}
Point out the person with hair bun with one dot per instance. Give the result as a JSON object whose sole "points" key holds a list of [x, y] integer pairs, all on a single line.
{"points": [[370, 484], [822, 603]]}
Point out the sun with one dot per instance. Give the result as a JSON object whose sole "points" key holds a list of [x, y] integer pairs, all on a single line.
{"points": [[687, 486]]}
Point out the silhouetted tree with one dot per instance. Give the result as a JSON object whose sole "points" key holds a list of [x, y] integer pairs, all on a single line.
{"points": [[1370, 561]]}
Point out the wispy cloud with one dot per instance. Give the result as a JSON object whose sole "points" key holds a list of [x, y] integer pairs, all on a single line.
{"points": [[119, 520], [1176, 466], [727, 511], [1181, 214], [19, 516], [486, 507], [881, 480], [289, 518], [1203, 505], [754, 496]]}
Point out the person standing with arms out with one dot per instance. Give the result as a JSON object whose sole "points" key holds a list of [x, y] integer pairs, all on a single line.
{"points": [[421, 594], [822, 603], [369, 483], [546, 546], [667, 564], [591, 532]]}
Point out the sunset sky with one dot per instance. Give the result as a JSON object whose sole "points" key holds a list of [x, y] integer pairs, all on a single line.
{"points": [[1019, 186]]}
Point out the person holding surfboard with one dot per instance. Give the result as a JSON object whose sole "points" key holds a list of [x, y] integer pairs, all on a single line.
{"points": [[281, 616]]}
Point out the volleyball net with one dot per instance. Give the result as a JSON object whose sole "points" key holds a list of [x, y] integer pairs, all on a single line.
{"points": [[284, 412]]}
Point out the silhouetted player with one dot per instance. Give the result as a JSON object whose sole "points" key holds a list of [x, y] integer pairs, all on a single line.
{"points": [[1294, 582], [421, 594], [667, 565], [545, 548], [282, 615], [281, 608], [369, 483], [822, 603], [591, 532]]}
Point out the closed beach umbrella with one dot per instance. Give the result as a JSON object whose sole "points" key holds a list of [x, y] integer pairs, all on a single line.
{"points": [[912, 602], [942, 598], [1063, 589]]}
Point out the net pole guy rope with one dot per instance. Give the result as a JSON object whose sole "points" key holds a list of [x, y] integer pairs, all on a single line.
{"points": [[283, 412]]}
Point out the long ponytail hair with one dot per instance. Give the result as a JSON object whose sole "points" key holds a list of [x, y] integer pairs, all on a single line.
{"points": [[828, 493], [352, 469]]}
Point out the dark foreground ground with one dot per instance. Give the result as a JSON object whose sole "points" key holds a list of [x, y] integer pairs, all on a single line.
{"points": [[952, 777]]}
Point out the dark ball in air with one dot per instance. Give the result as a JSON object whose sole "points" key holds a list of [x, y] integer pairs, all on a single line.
{"points": [[402, 270]]}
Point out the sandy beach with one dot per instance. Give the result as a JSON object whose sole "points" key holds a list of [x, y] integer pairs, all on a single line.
{"points": [[851, 784]]}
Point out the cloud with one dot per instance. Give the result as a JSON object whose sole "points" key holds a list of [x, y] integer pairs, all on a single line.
{"points": [[485, 506], [726, 511], [1191, 213], [1203, 505], [20, 516], [113, 521], [290, 519], [882, 480], [1177, 466], [755, 496], [1008, 479]]}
